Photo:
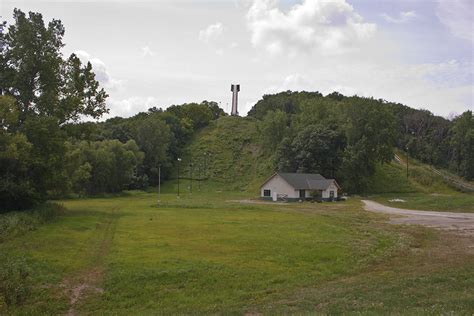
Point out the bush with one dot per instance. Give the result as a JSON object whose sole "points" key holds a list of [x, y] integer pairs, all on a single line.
{"points": [[15, 223], [15, 281]]}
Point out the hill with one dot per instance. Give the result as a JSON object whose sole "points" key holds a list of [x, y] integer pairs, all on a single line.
{"points": [[229, 152]]}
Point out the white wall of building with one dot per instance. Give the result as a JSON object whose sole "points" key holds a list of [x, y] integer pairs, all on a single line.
{"points": [[327, 193], [280, 186]]}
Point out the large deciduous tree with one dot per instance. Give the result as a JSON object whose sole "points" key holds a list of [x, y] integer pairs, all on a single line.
{"points": [[40, 92], [43, 83], [315, 149], [371, 132]]}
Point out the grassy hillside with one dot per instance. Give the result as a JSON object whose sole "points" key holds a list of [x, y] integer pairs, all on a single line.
{"points": [[228, 152], [426, 188]]}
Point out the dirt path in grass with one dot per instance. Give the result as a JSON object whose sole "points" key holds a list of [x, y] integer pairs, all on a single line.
{"points": [[86, 282], [462, 223]]}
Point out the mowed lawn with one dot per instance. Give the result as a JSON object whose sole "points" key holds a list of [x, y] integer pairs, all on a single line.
{"points": [[208, 253]]}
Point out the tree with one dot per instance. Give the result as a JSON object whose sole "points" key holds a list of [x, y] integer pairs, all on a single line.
{"points": [[8, 113], [198, 114], [371, 137], [153, 138], [374, 126], [216, 111], [42, 92], [37, 76], [103, 166], [2, 59], [273, 128], [315, 149], [462, 145], [16, 189]]}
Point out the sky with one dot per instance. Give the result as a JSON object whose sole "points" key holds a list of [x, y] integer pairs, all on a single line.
{"points": [[158, 53]]}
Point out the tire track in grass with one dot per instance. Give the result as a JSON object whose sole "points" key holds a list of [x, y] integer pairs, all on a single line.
{"points": [[86, 282]]}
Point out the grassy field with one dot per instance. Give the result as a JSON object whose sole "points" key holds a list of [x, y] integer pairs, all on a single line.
{"points": [[422, 190], [208, 253], [453, 202]]}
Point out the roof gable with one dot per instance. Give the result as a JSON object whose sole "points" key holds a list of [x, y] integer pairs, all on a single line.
{"points": [[301, 180], [304, 181]]}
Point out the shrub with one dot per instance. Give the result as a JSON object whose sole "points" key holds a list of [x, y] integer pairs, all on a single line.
{"points": [[15, 223], [15, 281]]}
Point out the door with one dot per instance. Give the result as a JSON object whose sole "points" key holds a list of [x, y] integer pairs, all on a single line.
{"points": [[302, 194]]}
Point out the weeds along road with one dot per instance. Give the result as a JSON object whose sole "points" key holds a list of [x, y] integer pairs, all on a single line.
{"points": [[462, 223]]}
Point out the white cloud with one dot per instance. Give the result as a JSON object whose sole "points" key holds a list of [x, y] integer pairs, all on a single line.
{"points": [[212, 32], [330, 26], [403, 17], [146, 51], [293, 82], [441, 87], [458, 17], [101, 73], [130, 106]]}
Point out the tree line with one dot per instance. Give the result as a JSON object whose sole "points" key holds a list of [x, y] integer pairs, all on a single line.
{"points": [[47, 151], [346, 137]]}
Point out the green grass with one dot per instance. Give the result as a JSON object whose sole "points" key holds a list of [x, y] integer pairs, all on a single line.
{"points": [[236, 157], [390, 178], [422, 190], [207, 253], [453, 202]]}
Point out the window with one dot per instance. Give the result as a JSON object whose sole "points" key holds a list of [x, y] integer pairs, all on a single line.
{"points": [[331, 194], [267, 193], [302, 194]]}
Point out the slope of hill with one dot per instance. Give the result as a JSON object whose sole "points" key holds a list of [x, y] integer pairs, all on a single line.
{"points": [[228, 152]]}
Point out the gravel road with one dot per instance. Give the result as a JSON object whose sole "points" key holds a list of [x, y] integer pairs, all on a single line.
{"points": [[462, 223]]}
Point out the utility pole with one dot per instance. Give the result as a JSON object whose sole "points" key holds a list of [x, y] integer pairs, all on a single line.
{"points": [[179, 159], [199, 176], [191, 177], [159, 183], [407, 162]]}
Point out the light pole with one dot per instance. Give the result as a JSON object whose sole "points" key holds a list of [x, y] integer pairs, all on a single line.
{"points": [[407, 161], [159, 183], [191, 178], [179, 159], [199, 176], [412, 133]]}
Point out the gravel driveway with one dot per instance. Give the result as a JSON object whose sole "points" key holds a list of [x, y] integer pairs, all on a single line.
{"points": [[462, 223]]}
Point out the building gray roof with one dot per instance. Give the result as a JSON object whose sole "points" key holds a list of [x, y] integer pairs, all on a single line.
{"points": [[306, 181], [319, 184]]}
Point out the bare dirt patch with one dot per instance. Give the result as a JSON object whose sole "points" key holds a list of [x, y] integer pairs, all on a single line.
{"points": [[461, 223], [86, 282]]}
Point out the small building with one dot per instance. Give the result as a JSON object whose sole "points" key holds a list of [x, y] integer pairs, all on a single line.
{"points": [[299, 186]]}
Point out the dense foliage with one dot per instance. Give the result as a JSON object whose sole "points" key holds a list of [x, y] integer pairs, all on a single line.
{"points": [[45, 151], [41, 91], [346, 137]]}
